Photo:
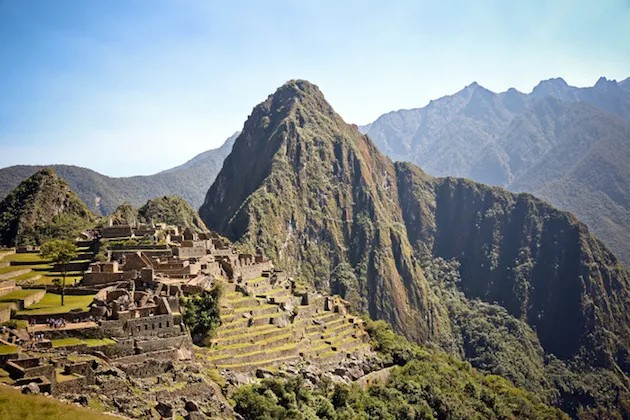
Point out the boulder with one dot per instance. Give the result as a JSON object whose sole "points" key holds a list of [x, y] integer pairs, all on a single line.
{"points": [[165, 409], [31, 388]]}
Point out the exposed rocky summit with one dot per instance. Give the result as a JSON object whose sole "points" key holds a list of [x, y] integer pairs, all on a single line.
{"points": [[42, 207]]}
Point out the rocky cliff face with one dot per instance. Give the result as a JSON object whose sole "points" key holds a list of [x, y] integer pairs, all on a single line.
{"points": [[40, 208], [319, 198]]}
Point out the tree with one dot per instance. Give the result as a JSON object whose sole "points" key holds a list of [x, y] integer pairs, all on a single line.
{"points": [[60, 252], [202, 313]]}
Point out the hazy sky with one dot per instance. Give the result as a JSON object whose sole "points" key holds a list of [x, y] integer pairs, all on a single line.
{"points": [[134, 87]]}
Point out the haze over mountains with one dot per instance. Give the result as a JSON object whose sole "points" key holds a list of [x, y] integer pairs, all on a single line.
{"points": [[567, 145], [103, 194], [521, 289]]}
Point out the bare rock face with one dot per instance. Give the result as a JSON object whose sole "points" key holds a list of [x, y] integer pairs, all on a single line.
{"points": [[165, 409]]}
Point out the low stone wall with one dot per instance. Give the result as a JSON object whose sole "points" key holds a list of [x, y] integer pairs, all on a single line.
{"points": [[156, 344], [122, 348], [88, 332], [5, 314], [70, 386], [12, 274], [168, 354], [114, 327], [41, 319], [4, 358], [158, 325], [147, 368], [7, 287], [36, 296]]}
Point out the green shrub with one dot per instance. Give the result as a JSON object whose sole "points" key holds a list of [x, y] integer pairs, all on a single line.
{"points": [[202, 314]]}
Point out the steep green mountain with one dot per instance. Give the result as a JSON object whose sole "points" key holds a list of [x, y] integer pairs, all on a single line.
{"points": [[314, 194], [325, 204], [125, 214], [42, 207], [564, 144], [172, 210], [103, 194]]}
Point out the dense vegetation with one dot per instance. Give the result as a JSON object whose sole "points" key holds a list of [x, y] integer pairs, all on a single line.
{"points": [[496, 342], [103, 194], [171, 210], [564, 144], [202, 314], [429, 385], [41, 208]]}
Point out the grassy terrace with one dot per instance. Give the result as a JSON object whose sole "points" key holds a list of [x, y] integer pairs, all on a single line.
{"points": [[14, 405], [51, 305], [41, 270], [17, 295], [7, 349], [90, 342]]}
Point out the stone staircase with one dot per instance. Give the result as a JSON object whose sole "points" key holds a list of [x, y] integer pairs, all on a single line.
{"points": [[266, 323]]}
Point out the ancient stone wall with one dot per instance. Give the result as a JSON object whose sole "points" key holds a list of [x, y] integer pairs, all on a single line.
{"points": [[157, 325], [156, 344], [168, 354], [7, 287], [70, 386], [35, 297], [5, 314], [91, 279], [190, 252]]}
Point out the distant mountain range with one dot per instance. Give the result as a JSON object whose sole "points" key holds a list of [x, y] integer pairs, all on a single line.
{"points": [[567, 145], [103, 194]]}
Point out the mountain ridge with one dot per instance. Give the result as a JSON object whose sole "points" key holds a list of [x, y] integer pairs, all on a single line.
{"points": [[103, 194], [523, 142]]}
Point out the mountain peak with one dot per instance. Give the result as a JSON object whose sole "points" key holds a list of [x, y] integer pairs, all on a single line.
{"points": [[603, 82], [42, 207], [297, 89], [550, 86]]}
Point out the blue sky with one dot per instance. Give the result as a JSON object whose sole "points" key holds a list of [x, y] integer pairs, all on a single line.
{"points": [[134, 87]]}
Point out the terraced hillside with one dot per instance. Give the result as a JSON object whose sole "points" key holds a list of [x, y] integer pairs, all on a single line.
{"points": [[267, 321], [28, 269]]}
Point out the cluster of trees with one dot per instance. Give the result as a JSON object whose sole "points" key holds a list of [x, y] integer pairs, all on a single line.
{"points": [[429, 384], [202, 314]]}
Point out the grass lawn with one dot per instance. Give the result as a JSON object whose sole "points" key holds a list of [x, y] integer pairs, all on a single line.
{"points": [[41, 270], [96, 342], [7, 349], [91, 342], [65, 342], [17, 295], [14, 405], [11, 269], [19, 323], [51, 305]]}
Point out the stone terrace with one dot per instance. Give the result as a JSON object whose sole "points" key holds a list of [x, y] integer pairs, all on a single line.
{"points": [[266, 323]]}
